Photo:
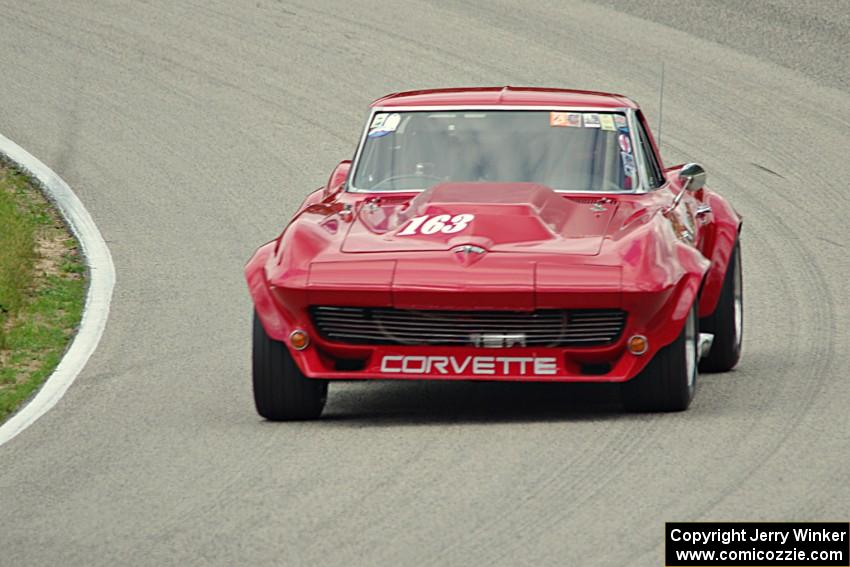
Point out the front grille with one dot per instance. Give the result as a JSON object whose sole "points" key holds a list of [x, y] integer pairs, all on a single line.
{"points": [[544, 328]]}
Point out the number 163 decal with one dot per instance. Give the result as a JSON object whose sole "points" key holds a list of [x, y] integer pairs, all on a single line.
{"points": [[428, 224]]}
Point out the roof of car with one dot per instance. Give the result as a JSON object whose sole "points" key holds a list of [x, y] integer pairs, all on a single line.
{"points": [[506, 96]]}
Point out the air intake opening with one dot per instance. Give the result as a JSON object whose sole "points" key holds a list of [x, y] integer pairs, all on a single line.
{"points": [[349, 364], [493, 329], [595, 369]]}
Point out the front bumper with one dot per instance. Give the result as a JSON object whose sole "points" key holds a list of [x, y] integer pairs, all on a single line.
{"points": [[657, 313], [329, 361]]}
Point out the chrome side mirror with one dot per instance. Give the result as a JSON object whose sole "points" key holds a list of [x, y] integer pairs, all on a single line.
{"points": [[336, 182], [692, 177]]}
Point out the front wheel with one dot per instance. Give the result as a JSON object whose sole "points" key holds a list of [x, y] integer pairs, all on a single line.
{"points": [[281, 391], [727, 321], [669, 380]]}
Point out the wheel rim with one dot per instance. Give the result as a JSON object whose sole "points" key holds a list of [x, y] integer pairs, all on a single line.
{"points": [[739, 301], [691, 349]]}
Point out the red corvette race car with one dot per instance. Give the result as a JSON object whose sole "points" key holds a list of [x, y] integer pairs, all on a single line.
{"points": [[508, 233]]}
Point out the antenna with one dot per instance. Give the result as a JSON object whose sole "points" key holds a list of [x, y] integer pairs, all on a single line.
{"points": [[660, 105]]}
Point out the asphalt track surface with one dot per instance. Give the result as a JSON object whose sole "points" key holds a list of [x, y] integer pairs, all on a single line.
{"points": [[192, 130]]}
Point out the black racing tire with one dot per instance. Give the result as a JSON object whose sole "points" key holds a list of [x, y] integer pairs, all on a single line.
{"points": [[668, 382], [281, 391], [727, 321]]}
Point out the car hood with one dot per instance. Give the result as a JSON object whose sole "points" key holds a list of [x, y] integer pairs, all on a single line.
{"points": [[502, 217]]}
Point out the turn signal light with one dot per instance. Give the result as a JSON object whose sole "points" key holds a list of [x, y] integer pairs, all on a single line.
{"points": [[638, 344], [299, 339]]}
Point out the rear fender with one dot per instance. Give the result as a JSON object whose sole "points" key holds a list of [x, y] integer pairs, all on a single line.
{"points": [[311, 199], [720, 242]]}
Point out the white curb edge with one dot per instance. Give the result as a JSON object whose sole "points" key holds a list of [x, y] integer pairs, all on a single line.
{"points": [[98, 296]]}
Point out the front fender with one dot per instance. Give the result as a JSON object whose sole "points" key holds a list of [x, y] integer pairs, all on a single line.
{"points": [[273, 319], [668, 322], [662, 277]]}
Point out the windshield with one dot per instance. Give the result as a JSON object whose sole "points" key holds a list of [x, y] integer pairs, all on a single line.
{"points": [[567, 151]]}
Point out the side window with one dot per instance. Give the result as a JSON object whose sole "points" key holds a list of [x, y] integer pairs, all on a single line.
{"points": [[656, 176]]}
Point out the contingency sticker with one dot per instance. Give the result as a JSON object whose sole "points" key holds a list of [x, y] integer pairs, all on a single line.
{"points": [[384, 124], [607, 122], [628, 163], [591, 121], [378, 121], [620, 121], [625, 143], [572, 119]]}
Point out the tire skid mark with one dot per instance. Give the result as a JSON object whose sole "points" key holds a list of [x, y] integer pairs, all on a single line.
{"points": [[573, 476], [814, 355], [416, 48]]}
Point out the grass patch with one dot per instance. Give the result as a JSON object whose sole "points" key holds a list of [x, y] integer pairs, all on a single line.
{"points": [[42, 289]]}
